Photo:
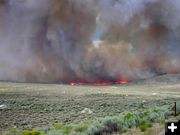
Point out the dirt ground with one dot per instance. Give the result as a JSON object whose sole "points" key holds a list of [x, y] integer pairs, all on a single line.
{"points": [[39, 106]]}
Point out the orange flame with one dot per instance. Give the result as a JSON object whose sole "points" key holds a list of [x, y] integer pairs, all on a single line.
{"points": [[104, 83]]}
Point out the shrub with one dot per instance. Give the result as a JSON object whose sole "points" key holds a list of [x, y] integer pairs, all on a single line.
{"points": [[26, 132], [132, 120], [145, 125], [13, 131], [83, 126], [33, 132], [58, 126], [54, 132], [96, 129], [67, 129], [110, 124], [153, 117], [143, 128], [128, 116]]}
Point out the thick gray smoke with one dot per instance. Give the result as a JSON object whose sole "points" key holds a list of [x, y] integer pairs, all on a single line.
{"points": [[60, 41]]}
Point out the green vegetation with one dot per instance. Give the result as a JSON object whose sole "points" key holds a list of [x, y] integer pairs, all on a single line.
{"points": [[145, 125], [115, 124], [31, 132], [17, 132], [57, 109]]}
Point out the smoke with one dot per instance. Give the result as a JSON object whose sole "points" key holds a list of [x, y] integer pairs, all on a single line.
{"points": [[59, 41]]}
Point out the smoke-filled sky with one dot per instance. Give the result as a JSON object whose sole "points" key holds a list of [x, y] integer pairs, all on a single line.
{"points": [[60, 41]]}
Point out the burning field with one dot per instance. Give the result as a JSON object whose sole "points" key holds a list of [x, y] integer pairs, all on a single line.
{"points": [[67, 62]]}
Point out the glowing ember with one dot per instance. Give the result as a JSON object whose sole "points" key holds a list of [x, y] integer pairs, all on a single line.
{"points": [[99, 83]]}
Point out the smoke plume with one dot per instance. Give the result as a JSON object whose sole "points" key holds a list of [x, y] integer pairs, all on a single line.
{"points": [[60, 41]]}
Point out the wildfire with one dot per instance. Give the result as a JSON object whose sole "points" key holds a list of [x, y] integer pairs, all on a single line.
{"points": [[104, 83]]}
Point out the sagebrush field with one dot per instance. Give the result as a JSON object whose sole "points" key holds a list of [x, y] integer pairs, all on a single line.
{"points": [[42, 106]]}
